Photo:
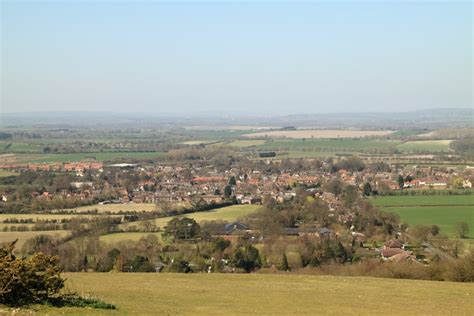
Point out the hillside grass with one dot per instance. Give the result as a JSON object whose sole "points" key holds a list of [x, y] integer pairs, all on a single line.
{"points": [[259, 294]]}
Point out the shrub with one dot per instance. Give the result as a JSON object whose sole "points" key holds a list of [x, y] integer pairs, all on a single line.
{"points": [[28, 280]]}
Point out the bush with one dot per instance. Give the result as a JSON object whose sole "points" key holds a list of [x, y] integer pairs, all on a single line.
{"points": [[37, 279], [28, 280]]}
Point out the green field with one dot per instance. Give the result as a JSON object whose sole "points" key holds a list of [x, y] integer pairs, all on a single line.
{"points": [[443, 216], [424, 200], [229, 213], [442, 210], [259, 294], [329, 145], [425, 146], [103, 156]]}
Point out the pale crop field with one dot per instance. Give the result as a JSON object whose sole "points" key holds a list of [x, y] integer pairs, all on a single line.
{"points": [[263, 294], [133, 236], [198, 142], [426, 146], [49, 217], [318, 134], [247, 143], [115, 208], [229, 213]]}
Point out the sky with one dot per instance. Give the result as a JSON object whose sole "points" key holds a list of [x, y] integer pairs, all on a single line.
{"points": [[235, 57]]}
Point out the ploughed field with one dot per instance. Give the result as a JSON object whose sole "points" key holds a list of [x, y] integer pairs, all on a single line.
{"points": [[442, 210], [265, 294]]}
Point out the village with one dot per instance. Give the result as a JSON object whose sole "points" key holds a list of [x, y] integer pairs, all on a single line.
{"points": [[136, 183]]}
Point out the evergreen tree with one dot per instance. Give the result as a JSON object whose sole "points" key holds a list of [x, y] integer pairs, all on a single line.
{"points": [[367, 189], [284, 266], [401, 182]]}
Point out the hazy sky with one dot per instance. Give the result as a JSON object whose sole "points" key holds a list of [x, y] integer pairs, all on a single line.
{"points": [[235, 57]]}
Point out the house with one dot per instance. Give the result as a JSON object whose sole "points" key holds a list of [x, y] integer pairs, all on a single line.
{"points": [[235, 227], [324, 232], [251, 200], [394, 243], [394, 250]]}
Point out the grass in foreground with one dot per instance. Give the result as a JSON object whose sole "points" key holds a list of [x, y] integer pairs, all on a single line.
{"points": [[257, 294]]}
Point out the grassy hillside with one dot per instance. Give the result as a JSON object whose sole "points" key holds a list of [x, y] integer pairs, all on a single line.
{"points": [[257, 294]]}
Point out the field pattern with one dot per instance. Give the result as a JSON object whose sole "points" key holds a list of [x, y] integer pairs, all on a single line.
{"points": [[318, 134], [229, 213]]}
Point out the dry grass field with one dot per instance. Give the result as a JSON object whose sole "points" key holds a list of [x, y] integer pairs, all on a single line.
{"points": [[318, 134], [133, 236], [247, 143], [259, 294], [115, 208], [6, 237], [229, 213], [426, 146]]}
